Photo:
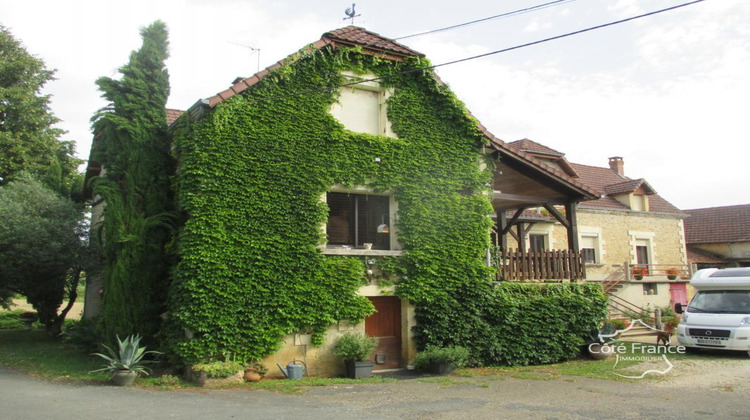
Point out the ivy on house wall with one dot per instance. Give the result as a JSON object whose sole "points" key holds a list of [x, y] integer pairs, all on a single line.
{"points": [[251, 179], [251, 176]]}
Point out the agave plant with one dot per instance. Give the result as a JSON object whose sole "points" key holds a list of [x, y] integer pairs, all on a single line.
{"points": [[129, 358]]}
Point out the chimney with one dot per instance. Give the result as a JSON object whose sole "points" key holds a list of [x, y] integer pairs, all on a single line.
{"points": [[617, 165]]}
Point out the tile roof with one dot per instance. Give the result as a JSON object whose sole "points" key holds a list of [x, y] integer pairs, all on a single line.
{"points": [[628, 187], [699, 256], [356, 36], [533, 147], [606, 182], [718, 224], [173, 115]]}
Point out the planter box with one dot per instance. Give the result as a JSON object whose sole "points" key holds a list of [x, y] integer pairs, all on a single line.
{"points": [[358, 370]]}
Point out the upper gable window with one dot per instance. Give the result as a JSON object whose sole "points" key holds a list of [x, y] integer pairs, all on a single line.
{"points": [[362, 107]]}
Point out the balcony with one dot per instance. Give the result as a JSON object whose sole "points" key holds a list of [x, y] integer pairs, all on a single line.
{"points": [[556, 264]]}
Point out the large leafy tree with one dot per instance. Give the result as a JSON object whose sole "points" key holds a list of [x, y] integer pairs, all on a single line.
{"points": [[131, 143], [28, 138], [41, 248]]}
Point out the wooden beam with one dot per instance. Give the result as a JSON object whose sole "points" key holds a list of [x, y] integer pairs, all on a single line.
{"points": [[560, 218], [513, 219], [497, 195]]}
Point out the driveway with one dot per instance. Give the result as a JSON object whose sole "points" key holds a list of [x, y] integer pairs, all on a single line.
{"points": [[23, 397]]}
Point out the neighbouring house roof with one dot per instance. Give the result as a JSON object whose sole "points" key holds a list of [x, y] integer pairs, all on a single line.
{"points": [[604, 182], [698, 256], [609, 183], [718, 225], [531, 146], [545, 154], [627, 187]]}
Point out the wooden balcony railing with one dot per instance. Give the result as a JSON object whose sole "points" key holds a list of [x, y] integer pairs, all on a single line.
{"points": [[514, 265]]}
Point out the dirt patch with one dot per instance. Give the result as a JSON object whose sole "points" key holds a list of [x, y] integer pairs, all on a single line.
{"points": [[716, 371], [20, 304]]}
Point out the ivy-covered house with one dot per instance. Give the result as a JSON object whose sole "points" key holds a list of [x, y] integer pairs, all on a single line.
{"points": [[346, 188]]}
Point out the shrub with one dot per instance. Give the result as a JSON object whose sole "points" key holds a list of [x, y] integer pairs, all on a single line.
{"points": [[454, 355], [82, 335], [354, 346], [219, 369], [10, 320]]}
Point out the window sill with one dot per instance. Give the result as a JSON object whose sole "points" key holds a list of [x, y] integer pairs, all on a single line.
{"points": [[362, 252]]}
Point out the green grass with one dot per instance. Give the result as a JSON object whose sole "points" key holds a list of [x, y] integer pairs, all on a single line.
{"points": [[32, 352]]}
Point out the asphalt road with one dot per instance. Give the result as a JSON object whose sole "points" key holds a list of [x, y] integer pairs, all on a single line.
{"points": [[23, 397]]}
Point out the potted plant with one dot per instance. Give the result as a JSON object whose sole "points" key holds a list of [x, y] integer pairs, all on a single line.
{"points": [[672, 273], [596, 343], [218, 373], [355, 349], [638, 272], [127, 363], [441, 360], [255, 371], [27, 318]]}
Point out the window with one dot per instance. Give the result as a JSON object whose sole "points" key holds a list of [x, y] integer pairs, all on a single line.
{"points": [[588, 248], [536, 243], [358, 219], [362, 107], [650, 289], [641, 253]]}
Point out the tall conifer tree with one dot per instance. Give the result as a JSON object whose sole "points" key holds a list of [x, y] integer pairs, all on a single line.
{"points": [[131, 143]]}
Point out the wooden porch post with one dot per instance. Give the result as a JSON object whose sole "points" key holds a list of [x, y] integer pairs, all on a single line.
{"points": [[502, 223], [521, 238], [571, 216]]}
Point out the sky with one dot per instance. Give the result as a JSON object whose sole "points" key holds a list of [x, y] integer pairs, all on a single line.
{"points": [[667, 92]]}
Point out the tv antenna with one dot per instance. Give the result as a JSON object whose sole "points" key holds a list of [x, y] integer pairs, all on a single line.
{"points": [[351, 14], [252, 49]]}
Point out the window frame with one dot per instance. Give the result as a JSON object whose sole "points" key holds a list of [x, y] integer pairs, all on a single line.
{"points": [[393, 246]]}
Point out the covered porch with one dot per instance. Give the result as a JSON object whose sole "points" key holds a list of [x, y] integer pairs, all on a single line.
{"points": [[530, 193]]}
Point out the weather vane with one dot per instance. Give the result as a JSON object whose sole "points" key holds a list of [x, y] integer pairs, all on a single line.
{"points": [[351, 14]]}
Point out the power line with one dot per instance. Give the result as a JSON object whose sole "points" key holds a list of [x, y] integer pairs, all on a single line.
{"points": [[589, 29], [502, 15], [528, 44]]}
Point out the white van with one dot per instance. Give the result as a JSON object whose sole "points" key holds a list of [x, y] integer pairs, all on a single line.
{"points": [[718, 316]]}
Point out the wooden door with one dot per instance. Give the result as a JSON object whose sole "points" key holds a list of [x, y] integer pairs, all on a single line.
{"points": [[385, 324], [678, 293]]}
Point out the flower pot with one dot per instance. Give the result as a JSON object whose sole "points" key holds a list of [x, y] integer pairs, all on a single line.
{"points": [[599, 351], [251, 375], [671, 277], [638, 277], [124, 378], [358, 370]]}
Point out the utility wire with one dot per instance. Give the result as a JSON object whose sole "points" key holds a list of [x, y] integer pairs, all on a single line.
{"points": [[528, 44], [502, 15], [589, 29]]}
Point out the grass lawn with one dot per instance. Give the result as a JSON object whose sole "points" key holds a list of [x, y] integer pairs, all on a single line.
{"points": [[32, 353]]}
